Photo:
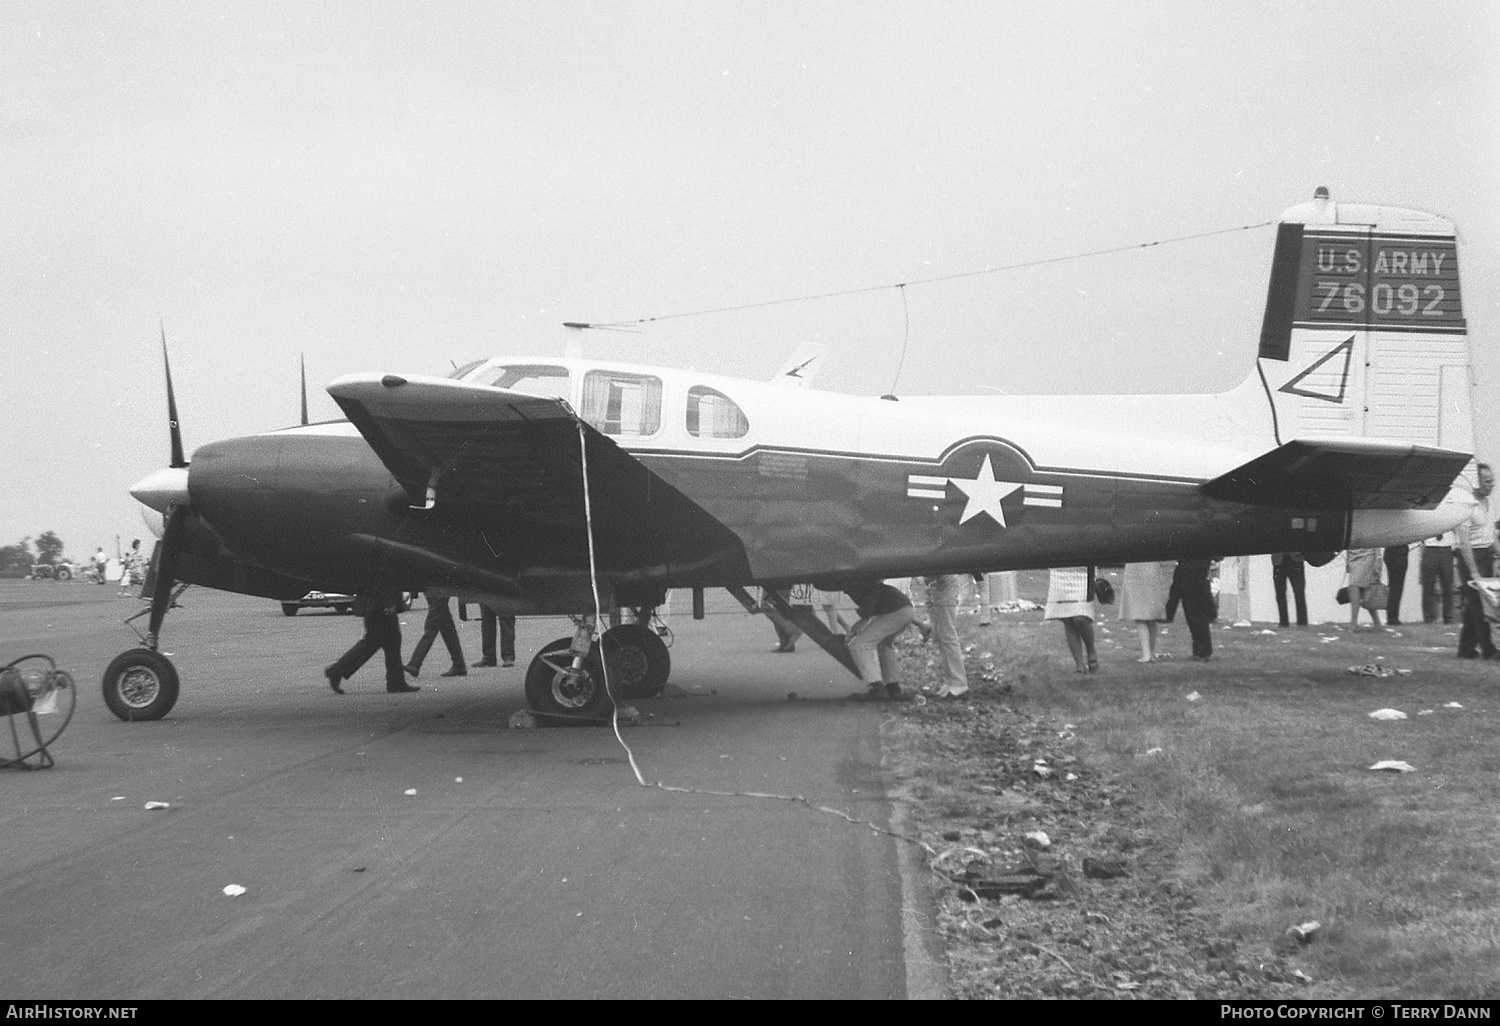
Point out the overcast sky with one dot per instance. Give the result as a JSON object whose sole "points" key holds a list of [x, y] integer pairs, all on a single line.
{"points": [[402, 186]]}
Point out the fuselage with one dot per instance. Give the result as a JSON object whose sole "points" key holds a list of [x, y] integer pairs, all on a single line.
{"points": [[813, 485]]}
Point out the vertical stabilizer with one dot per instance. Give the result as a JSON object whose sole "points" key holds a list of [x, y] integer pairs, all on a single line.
{"points": [[1364, 332]]}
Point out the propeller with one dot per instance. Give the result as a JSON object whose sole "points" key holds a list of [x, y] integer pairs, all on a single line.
{"points": [[303, 360], [178, 460], [166, 487]]}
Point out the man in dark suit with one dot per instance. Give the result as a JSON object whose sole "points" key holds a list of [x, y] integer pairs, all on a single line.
{"points": [[1290, 568], [439, 622], [1397, 559], [487, 621], [1191, 581], [381, 609]]}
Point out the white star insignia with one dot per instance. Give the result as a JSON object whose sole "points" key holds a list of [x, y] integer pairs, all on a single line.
{"points": [[984, 494]]}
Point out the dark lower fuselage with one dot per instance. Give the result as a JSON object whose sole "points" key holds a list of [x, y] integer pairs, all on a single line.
{"points": [[299, 505]]}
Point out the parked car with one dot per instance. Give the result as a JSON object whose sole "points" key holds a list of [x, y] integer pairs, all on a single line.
{"points": [[320, 600], [336, 601]]}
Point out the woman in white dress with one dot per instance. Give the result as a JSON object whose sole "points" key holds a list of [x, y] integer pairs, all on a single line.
{"points": [[1144, 600], [1068, 600]]}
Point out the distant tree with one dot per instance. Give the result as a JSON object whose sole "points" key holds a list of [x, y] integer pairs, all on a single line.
{"points": [[16, 560], [49, 547]]}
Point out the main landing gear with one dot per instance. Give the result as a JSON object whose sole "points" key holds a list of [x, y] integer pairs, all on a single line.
{"points": [[567, 677]]}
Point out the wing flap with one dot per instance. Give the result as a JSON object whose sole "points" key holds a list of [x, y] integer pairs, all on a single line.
{"points": [[1345, 473], [511, 466]]}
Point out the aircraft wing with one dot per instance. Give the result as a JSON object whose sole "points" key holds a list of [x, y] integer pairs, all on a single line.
{"points": [[1344, 473], [511, 467]]}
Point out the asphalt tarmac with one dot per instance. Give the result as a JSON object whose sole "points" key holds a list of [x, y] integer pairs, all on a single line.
{"points": [[528, 863]]}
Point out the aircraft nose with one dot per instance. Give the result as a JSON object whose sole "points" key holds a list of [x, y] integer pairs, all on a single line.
{"points": [[162, 488]]}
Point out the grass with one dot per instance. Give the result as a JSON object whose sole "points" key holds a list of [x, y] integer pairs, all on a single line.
{"points": [[1261, 794]]}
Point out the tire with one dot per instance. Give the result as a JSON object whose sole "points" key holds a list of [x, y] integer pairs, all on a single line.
{"points": [[62, 573], [639, 663], [140, 685], [289, 608], [343, 610], [550, 690]]}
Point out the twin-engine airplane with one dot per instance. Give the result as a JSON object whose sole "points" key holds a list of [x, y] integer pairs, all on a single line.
{"points": [[539, 485]]}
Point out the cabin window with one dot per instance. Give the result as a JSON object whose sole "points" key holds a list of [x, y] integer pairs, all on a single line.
{"points": [[622, 404], [458, 374], [542, 380], [712, 414]]}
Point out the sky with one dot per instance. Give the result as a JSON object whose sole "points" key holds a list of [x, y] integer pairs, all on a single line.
{"points": [[405, 186]]}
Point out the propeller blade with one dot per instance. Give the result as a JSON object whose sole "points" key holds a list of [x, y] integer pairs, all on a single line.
{"points": [[166, 568], [303, 360], [178, 459]]}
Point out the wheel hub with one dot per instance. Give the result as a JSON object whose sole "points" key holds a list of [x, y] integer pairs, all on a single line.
{"points": [[139, 687], [573, 688]]}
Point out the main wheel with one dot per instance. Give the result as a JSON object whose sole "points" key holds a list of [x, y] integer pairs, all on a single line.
{"points": [[344, 610], [289, 608], [62, 573], [638, 658], [140, 685], [552, 687]]}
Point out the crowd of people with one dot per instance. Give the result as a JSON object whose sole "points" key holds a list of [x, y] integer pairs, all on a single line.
{"points": [[380, 609]]}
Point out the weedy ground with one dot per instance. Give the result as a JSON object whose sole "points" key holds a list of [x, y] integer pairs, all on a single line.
{"points": [[1235, 816]]}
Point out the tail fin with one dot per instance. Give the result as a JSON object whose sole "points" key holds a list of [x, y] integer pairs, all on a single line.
{"points": [[1364, 333]]}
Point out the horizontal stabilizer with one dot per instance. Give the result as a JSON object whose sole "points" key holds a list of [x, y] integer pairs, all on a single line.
{"points": [[1343, 474]]}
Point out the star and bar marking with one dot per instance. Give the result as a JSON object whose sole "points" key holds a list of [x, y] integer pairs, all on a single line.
{"points": [[983, 492]]}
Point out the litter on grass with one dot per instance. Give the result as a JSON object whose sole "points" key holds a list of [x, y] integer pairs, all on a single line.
{"points": [[410, 791], [1451, 705], [234, 890], [1304, 932], [1424, 712], [1394, 766], [1388, 714], [153, 806], [1372, 670], [1194, 697]]}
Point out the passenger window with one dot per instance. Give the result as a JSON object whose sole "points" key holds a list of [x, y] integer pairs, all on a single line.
{"points": [[712, 414], [622, 404], [528, 379]]}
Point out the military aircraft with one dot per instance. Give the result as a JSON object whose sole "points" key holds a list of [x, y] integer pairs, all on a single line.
{"points": [[545, 485]]}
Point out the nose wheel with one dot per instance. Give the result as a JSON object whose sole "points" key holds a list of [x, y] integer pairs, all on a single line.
{"points": [[140, 684]]}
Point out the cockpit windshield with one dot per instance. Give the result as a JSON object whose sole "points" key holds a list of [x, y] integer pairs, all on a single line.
{"points": [[542, 380]]}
